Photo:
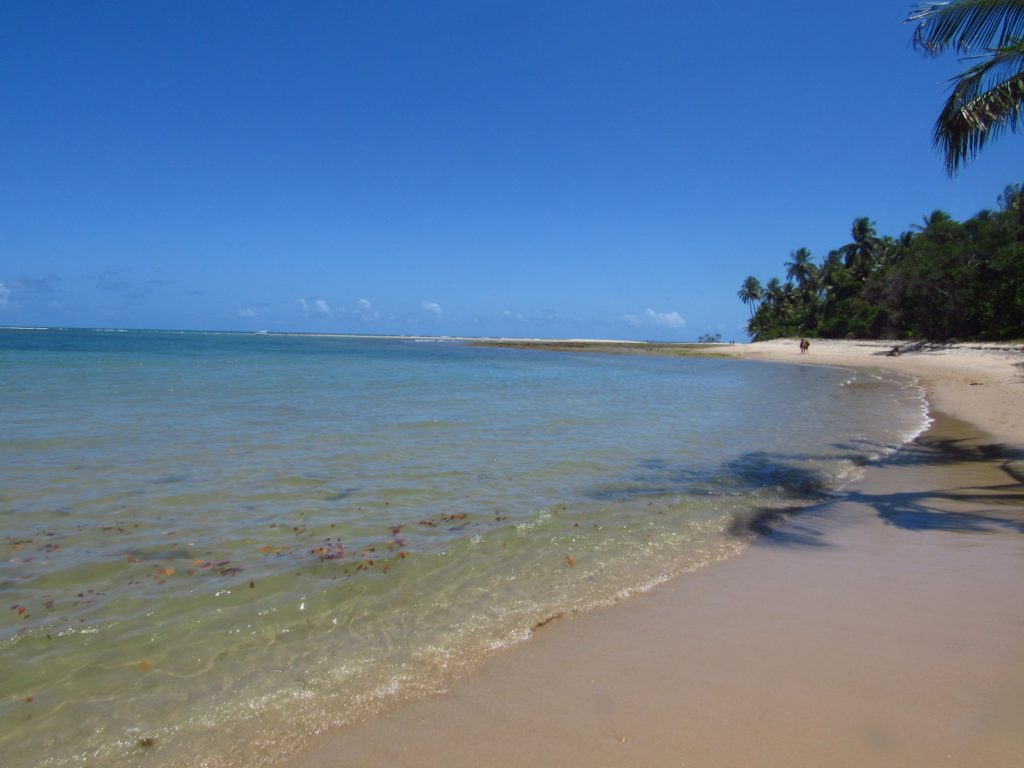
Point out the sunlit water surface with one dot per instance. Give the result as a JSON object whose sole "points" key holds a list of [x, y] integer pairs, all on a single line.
{"points": [[215, 545]]}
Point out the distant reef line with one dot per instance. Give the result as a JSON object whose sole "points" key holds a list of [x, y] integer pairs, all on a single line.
{"points": [[603, 347]]}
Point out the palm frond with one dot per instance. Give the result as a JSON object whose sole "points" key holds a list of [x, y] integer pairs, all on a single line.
{"points": [[984, 102], [967, 25]]}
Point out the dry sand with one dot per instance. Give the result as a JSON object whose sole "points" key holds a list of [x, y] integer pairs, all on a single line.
{"points": [[883, 627]]}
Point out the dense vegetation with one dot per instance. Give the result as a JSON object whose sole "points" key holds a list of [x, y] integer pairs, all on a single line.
{"points": [[942, 280]]}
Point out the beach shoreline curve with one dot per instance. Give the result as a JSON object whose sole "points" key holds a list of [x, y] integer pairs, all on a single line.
{"points": [[880, 627]]}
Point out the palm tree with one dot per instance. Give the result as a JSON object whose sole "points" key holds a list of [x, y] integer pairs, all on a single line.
{"points": [[934, 218], [829, 272], [1012, 199], [788, 303], [775, 298], [802, 269], [988, 98], [750, 292], [860, 255], [892, 250]]}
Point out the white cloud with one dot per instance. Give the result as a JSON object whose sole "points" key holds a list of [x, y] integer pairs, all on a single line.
{"points": [[315, 307], [508, 313], [650, 318], [247, 313], [5, 295], [366, 311], [431, 306]]}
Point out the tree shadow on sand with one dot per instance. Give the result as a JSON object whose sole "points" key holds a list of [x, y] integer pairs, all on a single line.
{"points": [[1000, 494], [991, 500], [767, 525], [747, 472], [789, 478]]}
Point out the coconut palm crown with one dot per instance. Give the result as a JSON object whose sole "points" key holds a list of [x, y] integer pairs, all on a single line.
{"points": [[801, 269], [861, 254], [750, 293], [987, 99]]}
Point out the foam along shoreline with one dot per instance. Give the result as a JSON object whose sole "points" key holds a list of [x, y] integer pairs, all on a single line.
{"points": [[881, 627]]}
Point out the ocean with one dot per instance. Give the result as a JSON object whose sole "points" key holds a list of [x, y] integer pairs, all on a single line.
{"points": [[216, 545]]}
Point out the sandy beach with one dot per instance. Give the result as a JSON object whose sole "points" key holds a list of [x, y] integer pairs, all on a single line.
{"points": [[883, 626]]}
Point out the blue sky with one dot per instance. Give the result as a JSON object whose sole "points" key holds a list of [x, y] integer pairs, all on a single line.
{"points": [[559, 169]]}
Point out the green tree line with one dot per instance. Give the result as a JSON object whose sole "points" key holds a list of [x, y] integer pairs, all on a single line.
{"points": [[941, 280]]}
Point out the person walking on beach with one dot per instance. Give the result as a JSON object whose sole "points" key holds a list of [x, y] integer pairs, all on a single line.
{"points": [[805, 345]]}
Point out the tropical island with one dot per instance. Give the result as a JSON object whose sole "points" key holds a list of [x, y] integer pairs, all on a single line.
{"points": [[940, 280]]}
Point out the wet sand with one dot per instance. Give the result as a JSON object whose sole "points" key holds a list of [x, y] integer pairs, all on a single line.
{"points": [[881, 627]]}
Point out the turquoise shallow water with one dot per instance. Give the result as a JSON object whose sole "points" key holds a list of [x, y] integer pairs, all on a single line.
{"points": [[217, 544]]}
